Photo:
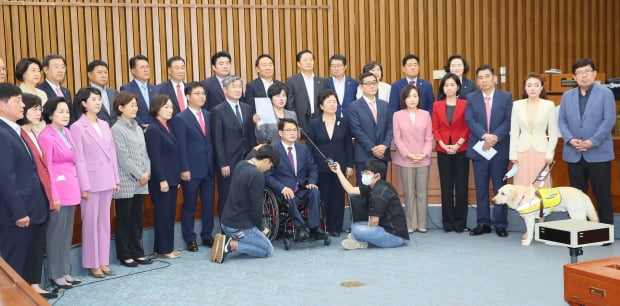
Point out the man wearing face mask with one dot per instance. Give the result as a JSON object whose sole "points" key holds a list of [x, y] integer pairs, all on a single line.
{"points": [[387, 225]]}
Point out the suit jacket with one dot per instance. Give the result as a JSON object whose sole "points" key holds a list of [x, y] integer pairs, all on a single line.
{"points": [[366, 132], [350, 90], [51, 93], [163, 153], [338, 148], [167, 88], [383, 93], [467, 86], [298, 97], [108, 116], [61, 164], [412, 138], [598, 119], [427, 97], [543, 137], [255, 89], [143, 109], [283, 175], [42, 170], [195, 149], [476, 118], [133, 159], [96, 163], [231, 140], [444, 131], [21, 192], [215, 93]]}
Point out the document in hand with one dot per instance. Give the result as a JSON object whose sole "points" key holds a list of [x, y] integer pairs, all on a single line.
{"points": [[488, 154]]}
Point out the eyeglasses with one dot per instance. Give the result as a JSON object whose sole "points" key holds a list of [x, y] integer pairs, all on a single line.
{"points": [[289, 130], [373, 83], [583, 72]]}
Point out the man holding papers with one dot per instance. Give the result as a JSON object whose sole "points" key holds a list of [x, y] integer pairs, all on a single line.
{"points": [[487, 115]]}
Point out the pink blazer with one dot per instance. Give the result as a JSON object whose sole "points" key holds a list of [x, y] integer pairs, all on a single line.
{"points": [[61, 165], [96, 163], [412, 139]]}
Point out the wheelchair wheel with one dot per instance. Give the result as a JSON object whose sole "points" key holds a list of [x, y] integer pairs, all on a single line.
{"points": [[327, 241], [271, 213]]}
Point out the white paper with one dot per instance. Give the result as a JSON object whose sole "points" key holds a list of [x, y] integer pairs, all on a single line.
{"points": [[265, 110], [488, 154]]}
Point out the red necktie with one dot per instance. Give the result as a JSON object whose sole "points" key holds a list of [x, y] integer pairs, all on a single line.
{"points": [[201, 121], [487, 103], [180, 99], [412, 83]]}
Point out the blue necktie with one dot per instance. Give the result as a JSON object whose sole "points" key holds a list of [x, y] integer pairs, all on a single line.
{"points": [[238, 113]]}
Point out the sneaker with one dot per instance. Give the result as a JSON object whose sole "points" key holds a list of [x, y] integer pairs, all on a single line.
{"points": [[352, 244], [221, 248]]}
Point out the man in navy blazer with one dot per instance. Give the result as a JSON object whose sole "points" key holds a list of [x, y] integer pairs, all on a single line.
{"points": [[175, 86], [259, 86], [304, 88], [587, 115], [55, 69], [295, 177], [372, 137], [140, 86], [493, 133], [97, 72], [221, 63], [23, 203], [196, 161], [233, 135], [344, 86], [411, 69]]}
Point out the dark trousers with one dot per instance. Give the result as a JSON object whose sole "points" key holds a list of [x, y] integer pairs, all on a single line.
{"points": [[359, 167], [191, 190], [34, 263], [15, 243], [485, 171], [313, 202], [128, 236], [599, 175], [164, 209], [332, 195], [453, 177], [223, 185]]}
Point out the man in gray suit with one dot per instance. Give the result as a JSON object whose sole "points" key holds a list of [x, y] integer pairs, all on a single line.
{"points": [[97, 72], [304, 88], [587, 115]]}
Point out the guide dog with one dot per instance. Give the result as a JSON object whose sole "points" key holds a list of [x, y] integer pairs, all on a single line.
{"points": [[574, 201]]}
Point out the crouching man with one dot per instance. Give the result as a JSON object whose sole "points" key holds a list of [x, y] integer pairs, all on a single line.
{"points": [[242, 218], [387, 225]]}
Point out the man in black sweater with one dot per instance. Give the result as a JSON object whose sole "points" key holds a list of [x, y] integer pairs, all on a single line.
{"points": [[242, 218]]}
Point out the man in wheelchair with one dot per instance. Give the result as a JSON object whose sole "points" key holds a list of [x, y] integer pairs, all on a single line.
{"points": [[295, 178], [387, 225]]}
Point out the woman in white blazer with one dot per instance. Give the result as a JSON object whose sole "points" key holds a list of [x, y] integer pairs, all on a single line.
{"points": [[533, 131]]}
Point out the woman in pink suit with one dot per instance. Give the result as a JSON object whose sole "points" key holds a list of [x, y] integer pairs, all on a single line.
{"points": [[413, 139], [97, 170], [59, 148]]}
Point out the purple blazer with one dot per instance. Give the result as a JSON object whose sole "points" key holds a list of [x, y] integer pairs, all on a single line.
{"points": [[61, 165], [96, 163]]}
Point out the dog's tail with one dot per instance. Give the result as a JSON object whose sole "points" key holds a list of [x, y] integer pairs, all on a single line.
{"points": [[591, 212]]}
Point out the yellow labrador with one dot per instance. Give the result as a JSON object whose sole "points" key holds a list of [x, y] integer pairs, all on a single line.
{"points": [[574, 201]]}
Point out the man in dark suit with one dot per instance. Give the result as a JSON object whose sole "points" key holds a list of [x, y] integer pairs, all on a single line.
{"points": [[23, 203], [233, 135], [295, 177], [175, 86], [97, 72], [221, 63], [196, 160], [487, 115], [55, 69], [344, 86], [259, 86], [411, 69], [140, 86], [371, 125], [304, 88]]}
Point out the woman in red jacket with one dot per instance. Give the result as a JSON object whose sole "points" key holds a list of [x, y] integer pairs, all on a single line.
{"points": [[451, 134]]}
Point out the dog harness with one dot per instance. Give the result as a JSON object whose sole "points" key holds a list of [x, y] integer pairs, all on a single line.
{"points": [[545, 198]]}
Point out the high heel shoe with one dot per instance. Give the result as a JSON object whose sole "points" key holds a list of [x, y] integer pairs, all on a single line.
{"points": [[96, 273], [107, 271], [63, 286]]}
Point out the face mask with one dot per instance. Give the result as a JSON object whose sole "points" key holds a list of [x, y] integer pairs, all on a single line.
{"points": [[366, 178]]}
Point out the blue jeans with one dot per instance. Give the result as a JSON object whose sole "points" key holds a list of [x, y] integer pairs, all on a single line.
{"points": [[250, 241], [375, 235]]}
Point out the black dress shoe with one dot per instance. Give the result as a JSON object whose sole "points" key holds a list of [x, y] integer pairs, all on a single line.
{"points": [[75, 281], [208, 242], [458, 231], [145, 261], [131, 264], [49, 295], [301, 234], [447, 229], [480, 229], [318, 233], [65, 286], [192, 246], [334, 234], [501, 232]]}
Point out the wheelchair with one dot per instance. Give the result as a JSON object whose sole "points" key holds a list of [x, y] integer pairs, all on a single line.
{"points": [[279, 220]]}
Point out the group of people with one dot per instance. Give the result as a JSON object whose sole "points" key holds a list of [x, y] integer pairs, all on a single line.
{"points": [[154, 139]]}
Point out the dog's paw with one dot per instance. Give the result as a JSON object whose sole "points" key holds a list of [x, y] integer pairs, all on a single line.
{"points": [[526, 242]]}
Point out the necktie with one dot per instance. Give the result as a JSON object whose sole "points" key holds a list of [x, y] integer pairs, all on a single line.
{"points": [[145, 95], [487, 103], [181, 101], [238, 113], [201, 121], [59, 92], [373, 110], [412, 83], [292, 161]]}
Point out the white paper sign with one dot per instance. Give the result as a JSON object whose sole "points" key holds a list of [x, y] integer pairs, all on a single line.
{"points": [[265, 110]]}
